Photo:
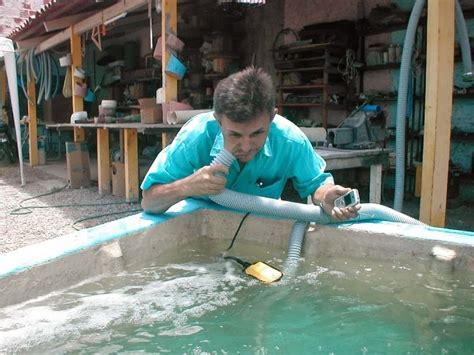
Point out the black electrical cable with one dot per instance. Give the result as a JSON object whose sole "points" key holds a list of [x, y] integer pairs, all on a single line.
{"points": [[103, 215], [245, 264], [22, 210], [28, 209], [237, 231]]}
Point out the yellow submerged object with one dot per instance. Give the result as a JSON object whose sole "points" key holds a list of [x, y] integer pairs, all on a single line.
{"points": [[264, 272]]}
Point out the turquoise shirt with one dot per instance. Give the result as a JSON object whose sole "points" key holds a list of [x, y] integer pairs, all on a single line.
{"points": [[286, 154]]}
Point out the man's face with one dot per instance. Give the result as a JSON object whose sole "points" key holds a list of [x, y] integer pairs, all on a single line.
{"points": [[244, 140]]}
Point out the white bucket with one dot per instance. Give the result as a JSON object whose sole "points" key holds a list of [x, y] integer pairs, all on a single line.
{"points": [[78, 116], [65, 61], [79, 73]]}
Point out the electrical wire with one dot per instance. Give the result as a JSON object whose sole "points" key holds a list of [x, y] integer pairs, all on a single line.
{"points": [[28, 209], [22, 210], [245, 264], [103, 215], [237, 231]]}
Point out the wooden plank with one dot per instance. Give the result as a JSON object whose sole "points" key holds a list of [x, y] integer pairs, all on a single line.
{"points": [[375, 192], [131, 164], [169, 24], [33, 125], [167, 138], [438, 111], [77, 101], [90, 22], [53, 41], [31, 42], [66, 21], [108, 14], [103, 161]]}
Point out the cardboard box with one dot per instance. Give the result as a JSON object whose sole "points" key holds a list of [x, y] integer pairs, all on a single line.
{"points": [[151, 115], [118, 179], [78, 165], [150, 111]]}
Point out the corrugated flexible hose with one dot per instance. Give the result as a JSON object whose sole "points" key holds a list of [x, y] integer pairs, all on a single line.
{"points": [[301, 212]]}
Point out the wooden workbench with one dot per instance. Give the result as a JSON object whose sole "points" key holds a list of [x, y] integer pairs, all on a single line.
{"points": [[151, 128], [374, 159], [128, 146]]}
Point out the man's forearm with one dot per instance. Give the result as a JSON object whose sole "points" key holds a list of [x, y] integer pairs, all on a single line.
{"points": [[158, 198]]}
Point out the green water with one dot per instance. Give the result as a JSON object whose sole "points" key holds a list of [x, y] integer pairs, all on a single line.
{"points": [[193, 302]]}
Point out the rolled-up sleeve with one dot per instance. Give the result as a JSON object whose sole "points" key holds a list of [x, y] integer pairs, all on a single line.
{"points": [[171, 164]]}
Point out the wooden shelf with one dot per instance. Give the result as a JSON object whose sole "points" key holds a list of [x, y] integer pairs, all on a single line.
{"points": [[468, 136], [463, 96], [301, 105], [316, 64], [299, 60], [302, 87], [307, 47], [302, 69], [381, 67]]}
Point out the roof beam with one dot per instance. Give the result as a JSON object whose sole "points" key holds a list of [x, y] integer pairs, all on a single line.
{"points": [[107, 14], [53, 41], [63, 22], [89, 23], [31, 42]]}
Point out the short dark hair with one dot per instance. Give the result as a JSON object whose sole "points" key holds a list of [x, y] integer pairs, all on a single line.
{"points": [[245, 95]]}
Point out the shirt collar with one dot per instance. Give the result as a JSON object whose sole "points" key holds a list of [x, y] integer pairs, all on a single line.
{"points": [[219, 145]]}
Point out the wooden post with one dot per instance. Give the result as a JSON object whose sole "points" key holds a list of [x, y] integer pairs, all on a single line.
{"points": [[438, 110], [131, 164], [32, 125], [375, 190], [77, 101], [103, 161], [169, 24]]}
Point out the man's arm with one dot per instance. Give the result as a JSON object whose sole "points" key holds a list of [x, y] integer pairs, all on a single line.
{"points": [[206, 181], [325, 196]]}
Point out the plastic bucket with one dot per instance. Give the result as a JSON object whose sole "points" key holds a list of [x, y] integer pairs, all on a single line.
{"points": [[175, 68]]}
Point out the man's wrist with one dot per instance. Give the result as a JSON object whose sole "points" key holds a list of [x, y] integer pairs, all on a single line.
{"points": [[320, 195]]}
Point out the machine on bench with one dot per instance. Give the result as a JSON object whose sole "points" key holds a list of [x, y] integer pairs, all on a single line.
{"points": [[362, 129]]}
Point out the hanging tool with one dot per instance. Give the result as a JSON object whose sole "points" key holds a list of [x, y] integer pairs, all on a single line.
{"points": [[96, 36]]}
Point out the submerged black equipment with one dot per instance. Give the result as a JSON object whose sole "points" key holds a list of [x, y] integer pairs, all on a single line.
{"points": [[259, 270]]}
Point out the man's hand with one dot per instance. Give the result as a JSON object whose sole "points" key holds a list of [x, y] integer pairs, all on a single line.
{"points": [[209, 180], [328, 194]]}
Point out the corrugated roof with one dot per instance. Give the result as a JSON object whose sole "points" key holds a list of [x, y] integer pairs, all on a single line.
{"points": [[33, 26]]}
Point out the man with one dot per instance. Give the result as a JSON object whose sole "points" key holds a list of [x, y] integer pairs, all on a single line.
{"points": [[269, 151]]}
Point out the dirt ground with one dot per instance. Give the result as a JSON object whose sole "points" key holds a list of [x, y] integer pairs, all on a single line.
{"points": [[21, 227]]}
